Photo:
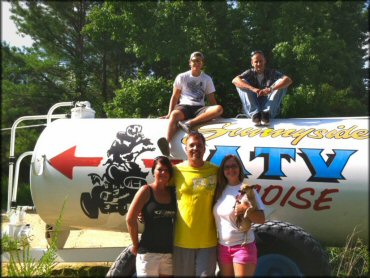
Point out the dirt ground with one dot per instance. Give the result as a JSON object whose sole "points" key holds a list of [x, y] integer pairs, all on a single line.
{"points": [[81, 239]]}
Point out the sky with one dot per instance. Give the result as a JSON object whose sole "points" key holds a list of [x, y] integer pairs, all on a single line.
{"points": [[9, 30]]}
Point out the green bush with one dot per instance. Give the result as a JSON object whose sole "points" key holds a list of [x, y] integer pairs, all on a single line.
{"points": [[144, 97], [325, 101]]}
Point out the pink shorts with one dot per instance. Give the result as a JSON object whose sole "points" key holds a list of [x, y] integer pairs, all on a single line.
{"points": [[237, 254]]}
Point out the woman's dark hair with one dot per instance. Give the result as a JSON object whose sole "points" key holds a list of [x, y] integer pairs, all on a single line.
{"points": [[222, 180], [165, 161]]}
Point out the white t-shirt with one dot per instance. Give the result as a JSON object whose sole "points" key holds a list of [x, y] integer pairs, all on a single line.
{"points": [[193, 88], [223, 211]]}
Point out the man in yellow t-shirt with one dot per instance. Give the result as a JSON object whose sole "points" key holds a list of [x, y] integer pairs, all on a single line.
{"points": [[195, 230]]}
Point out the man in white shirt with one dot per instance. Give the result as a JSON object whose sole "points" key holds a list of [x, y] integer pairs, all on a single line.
{"points": [[187, 107]]}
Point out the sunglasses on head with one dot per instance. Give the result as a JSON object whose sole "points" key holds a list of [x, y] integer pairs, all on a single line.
{"points": [[257, 52]]}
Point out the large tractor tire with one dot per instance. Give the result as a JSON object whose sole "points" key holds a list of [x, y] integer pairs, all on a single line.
{"points": [[287, 250], [124, 265]]}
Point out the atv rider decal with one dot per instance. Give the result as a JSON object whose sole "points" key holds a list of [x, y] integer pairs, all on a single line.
{"points": [[115, 189]]}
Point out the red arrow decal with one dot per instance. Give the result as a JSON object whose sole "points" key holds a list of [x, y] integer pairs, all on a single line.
{"points": [[65, 161]]}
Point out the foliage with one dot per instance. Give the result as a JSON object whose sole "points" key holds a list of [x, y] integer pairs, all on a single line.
{"points": [[306, 101], [144, 97], [9, 244], [85, 49], [21, 263], [23, 195], [351, 260], [83, 271], [110, 52]]}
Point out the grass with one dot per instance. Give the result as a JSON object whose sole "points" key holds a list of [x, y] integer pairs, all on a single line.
{"points": [[82, 270], [352, 260], [21, 263]]}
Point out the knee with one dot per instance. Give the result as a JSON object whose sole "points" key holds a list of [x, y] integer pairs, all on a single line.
{"points": [[239, 90], [175, 116], [219, 110]]}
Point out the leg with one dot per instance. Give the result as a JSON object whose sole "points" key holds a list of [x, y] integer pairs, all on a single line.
{"points": [[183, 261], [245, 260], [227, 270], [273, 103], [205, 261], [249, 101], [210, 113], [225, 261], [175, 117], [244, 270]]}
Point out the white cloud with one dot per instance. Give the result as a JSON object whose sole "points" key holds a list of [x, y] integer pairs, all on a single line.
{"points": [[9, 30]]}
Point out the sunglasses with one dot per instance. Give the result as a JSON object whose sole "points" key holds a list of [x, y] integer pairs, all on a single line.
{"points": [[257, 52], [232, 166]]}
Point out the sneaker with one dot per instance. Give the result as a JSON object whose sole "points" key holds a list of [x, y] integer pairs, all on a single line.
{"points": [[256, 118], [184, 126], [164, 146], [265, 118]]}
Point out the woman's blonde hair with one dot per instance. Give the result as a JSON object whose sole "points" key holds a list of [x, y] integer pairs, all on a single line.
{"points": [[222, 180]]}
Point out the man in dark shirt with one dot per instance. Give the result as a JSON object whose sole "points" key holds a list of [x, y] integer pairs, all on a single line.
{"points": [[261, 90]]}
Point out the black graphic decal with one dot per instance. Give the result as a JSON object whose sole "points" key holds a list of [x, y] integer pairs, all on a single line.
{"points": [[115, 189]]}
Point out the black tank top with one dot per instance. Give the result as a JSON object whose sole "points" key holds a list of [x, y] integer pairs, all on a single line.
{"points": [[158, 225]]}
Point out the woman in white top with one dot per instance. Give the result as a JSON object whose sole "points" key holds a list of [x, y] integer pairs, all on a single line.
{"points": [[235, 258]]}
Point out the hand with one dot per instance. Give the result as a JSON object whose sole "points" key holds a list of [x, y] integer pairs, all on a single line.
{"points": [[134, 249], [265, 91], [140, 217], [164, 117]]}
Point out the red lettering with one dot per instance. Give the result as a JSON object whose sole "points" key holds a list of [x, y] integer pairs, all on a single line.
{"points": [[301, 198], [322, 198], [305, 197], [287, 195], [267, 192]]}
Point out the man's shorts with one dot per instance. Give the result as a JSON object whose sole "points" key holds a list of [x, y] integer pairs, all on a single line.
{"points": [[190, 111], [237, 254], [153, 264], [191, 262]]}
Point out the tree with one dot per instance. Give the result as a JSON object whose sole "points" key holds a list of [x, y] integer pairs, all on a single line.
{"points": [[56, 28]]}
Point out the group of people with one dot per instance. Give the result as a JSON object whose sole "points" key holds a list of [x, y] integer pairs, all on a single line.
{"points": [[190, 214], [260, 89], [190, 211]]}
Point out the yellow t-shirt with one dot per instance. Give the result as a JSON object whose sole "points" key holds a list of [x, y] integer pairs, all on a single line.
{"points": [[195, 187]]}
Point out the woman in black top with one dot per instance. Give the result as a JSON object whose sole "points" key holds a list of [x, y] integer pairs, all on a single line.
{"points": [[157, 202]]}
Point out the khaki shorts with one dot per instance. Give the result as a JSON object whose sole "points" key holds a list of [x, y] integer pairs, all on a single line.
{"points": [[153, 264]]}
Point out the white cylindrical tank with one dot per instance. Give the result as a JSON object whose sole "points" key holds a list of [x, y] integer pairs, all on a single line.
{"points": [[311, 172]]}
